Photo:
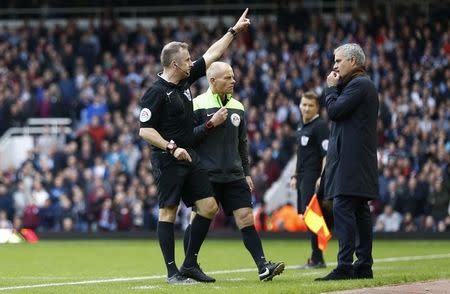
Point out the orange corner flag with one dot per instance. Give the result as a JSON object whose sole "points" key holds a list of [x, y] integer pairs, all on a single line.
{"points": [[316, 223]]}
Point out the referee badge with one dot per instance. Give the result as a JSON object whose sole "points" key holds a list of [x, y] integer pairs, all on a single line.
{"points": [[145, 115], [304, 140], [235, 119]]}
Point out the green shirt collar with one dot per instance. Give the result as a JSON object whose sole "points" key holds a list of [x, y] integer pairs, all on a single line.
{"points": [[217, 97]]}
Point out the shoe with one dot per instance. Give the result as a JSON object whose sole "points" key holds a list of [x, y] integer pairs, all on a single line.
{"points": [[270, 270], [310, 264], [196, 273], [338, 274], [179, 279], [363, 274]]}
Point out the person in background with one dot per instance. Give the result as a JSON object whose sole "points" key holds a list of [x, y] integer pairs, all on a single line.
{"points": [[312, 145]]}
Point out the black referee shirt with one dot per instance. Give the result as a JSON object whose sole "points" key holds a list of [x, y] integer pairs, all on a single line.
{"points": [[312, 140], [167, 107]]}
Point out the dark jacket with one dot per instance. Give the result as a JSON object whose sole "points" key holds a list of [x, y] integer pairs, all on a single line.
{"points": [[351, 167], [223, 149]]}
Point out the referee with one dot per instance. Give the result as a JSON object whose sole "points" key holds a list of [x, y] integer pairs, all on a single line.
{"points": [[167, 123], [221, 142], [312, 140]]}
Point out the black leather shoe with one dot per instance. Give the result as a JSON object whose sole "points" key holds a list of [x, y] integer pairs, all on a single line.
{"points": [[338, 274], [196, 273], [363, 274], [311, 264]]}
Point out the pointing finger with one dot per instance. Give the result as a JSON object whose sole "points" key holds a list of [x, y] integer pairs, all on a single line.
{"points": [[244, 14]]}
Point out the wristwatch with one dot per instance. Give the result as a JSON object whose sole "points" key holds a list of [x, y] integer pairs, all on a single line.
{"points": [[232, 31], [171, 147]]}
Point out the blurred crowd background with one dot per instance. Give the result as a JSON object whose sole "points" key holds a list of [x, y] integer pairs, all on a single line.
{"points": [[99, 177]]}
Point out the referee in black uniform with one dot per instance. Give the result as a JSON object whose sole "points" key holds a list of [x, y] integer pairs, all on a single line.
{"points": [[167, 122], [221, 143], [312, 140]]}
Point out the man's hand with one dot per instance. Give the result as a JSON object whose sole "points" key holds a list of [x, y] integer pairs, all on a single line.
{"points": [[219, 117], [318, 184], [242, 23], [182, 154], [250, 183], [333, 79], [293, 183]]}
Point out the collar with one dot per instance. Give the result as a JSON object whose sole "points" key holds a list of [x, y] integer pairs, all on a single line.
{"points": [[217, 97], [313, 119], [166, 82], [359, 71]]}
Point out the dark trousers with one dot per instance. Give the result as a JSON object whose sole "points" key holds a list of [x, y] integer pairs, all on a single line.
{"points": [[353, 228]]}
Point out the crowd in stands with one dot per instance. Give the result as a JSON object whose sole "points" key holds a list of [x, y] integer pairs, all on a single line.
{"points": [[100, 176]]}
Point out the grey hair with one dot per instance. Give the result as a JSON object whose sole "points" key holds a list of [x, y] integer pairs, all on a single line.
{"points": [[352, 50]]}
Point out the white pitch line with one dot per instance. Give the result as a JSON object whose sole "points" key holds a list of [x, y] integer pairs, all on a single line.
{"points": [[379, 260], [390, 259]]}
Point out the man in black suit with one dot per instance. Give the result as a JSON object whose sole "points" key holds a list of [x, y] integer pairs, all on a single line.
{"points": [[351, 178]]}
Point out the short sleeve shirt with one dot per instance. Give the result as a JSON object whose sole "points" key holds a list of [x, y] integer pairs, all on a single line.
{"points": [[168, 109], [312, 140]]}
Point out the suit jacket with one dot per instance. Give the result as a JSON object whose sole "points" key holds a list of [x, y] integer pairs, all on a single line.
{"points": [[351, 167]]}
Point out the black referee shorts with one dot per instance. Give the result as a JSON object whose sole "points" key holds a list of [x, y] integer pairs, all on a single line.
{"points": [[180, 180], [233, 195]]}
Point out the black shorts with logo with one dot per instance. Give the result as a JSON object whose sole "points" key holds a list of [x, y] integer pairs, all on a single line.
{"points": [[233, 195], [180, 180]]}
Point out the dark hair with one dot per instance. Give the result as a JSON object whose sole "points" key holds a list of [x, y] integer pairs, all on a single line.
{"points": [[310, 95], [170, 51]]}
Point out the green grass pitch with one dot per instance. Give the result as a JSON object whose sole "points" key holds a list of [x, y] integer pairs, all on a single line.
{"points": [[137, 267]]}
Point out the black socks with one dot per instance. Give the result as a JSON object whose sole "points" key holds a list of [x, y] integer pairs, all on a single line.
{"points": [[167, 244], [198, 231], [253, 244]]}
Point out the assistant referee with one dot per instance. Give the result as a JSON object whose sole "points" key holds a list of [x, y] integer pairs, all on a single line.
{"points": [[312, 140]]}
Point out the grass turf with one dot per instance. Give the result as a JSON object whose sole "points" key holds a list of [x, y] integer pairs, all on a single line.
{"points": [[137, 267]]}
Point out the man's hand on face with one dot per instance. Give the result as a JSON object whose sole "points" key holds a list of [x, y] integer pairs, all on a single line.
{"points": [[333, 79]]}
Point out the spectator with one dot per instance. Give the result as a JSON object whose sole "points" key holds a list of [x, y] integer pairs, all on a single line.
{"points": [[388, 221], [41, 70]]}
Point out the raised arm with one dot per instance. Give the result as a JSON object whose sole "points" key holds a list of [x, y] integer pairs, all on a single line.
{"points": [[218, 48]]}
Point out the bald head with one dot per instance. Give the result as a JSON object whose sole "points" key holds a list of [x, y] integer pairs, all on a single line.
{"points": [[220, 78], [217, 69]]}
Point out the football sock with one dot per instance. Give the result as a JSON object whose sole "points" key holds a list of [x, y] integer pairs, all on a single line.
{"points": [[316, 255], [187, 234], [199, 229], [167, 244], [253, 244]]}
